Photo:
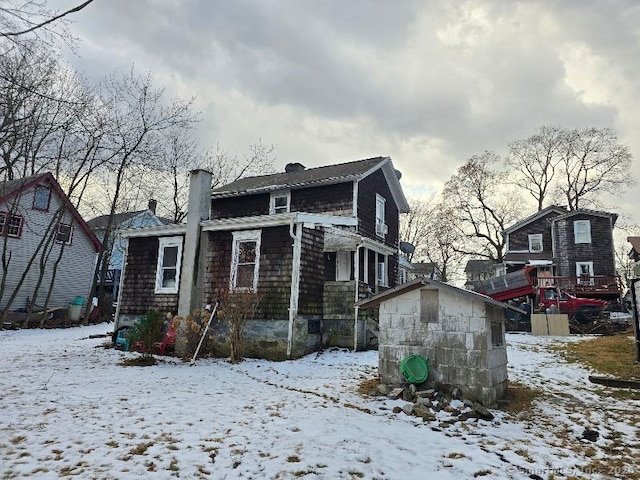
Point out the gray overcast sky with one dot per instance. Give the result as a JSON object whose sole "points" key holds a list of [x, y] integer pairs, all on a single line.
{"points": [[429, 83]]}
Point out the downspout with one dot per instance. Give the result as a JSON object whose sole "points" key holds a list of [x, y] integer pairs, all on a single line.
{"points": [[123, 271], [295, 280]]}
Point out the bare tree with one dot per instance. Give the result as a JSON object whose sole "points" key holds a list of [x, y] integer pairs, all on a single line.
{"points": [[21, 18], [536, 159], [415, 225], [137, 116], [596, 163], [481, 205]]}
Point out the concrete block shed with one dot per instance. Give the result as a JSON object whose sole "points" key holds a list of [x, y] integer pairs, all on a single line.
{"points": [[460, 333]]}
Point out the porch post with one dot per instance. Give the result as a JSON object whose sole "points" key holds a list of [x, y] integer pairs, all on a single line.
{"points": [[199, 206]]}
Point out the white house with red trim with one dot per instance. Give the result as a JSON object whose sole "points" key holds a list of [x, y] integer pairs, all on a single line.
{"points": [[43, 241]]}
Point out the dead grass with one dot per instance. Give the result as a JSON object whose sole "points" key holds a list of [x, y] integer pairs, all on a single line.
{"points": [[141, 361], [368, 386], [611, 355], [519, 398]]}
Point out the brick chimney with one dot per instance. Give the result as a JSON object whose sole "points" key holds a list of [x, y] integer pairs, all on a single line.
{"points": [[152, 205]]}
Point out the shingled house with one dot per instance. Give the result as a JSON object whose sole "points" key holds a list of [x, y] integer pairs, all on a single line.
{"points": [[310, 242], [572, 249]]}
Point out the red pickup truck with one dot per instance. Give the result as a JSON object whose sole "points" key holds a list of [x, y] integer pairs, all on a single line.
{"points": [[582, 309]]}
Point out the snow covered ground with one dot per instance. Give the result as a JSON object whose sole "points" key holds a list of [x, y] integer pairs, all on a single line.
{"points": [[67, 408]]}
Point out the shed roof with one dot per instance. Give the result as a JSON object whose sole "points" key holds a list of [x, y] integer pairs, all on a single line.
{"points": [[422, 282]]}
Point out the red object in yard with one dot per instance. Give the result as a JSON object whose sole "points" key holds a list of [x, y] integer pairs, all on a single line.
{"points": [[169, 340]]}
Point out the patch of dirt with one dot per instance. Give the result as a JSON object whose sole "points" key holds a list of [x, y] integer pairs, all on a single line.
{"points": [[141, 361]]}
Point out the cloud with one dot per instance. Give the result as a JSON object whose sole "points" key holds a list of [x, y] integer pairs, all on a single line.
{"points": [[429, 83]]}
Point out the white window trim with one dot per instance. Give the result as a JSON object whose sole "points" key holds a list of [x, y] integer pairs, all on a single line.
{"points": [[238, 237], [380, 207], [532, 239], [576, 224], [384, 281], [272, 201], [164, 242], [579, 274], [68, 242]]}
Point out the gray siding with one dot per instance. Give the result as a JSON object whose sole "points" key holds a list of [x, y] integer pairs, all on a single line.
{"points": [[75, 270]]}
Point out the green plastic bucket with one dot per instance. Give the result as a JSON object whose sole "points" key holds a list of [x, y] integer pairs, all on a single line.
{"points": [[414, 368]]}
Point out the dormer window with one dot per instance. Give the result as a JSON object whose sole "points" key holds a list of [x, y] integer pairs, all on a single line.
{"points": [[535, 242], [381, 227], [280, 202]]}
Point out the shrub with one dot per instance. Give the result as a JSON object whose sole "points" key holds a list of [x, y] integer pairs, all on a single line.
{"points": [[235, 309], [147, 330]]}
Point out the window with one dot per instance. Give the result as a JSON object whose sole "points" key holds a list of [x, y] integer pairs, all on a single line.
{"points": [[41, 198], [429, 305], [381, 228], [279, 202], [535, 242], [12, 227], [584, 272], [497, 335], [381, 276], [245, 262], [64, 234], [168, 270], [582, 231]]}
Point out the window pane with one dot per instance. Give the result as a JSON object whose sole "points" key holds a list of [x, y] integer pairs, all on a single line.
{"points": [[14, 226], [170, 258], [168, 277], [41, 198], [244, 276], [64, 233], [247, 252], [280, 202]]}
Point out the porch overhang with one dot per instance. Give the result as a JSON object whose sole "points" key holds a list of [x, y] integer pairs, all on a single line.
{"points": [[262, 221], [156, 231], [338, 240]]}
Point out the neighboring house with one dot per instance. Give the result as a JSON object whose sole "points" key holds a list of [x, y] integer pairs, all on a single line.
{"points": [[426, 270], [572, 249], [634, 255], [405, 270], [476, 270], [42, 233], [122, 221], [308, 242], [459, 332]]}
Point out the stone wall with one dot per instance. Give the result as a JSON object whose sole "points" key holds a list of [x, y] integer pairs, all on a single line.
{"points": [[453, 332]]}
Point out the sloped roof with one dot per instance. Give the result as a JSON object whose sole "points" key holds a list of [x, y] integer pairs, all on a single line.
{"points": [[635, 246], [584, 211], [11, 188], [421, 282], [558, 210], [100, 223], [478, 266], [425, 268], [326, 175]]}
